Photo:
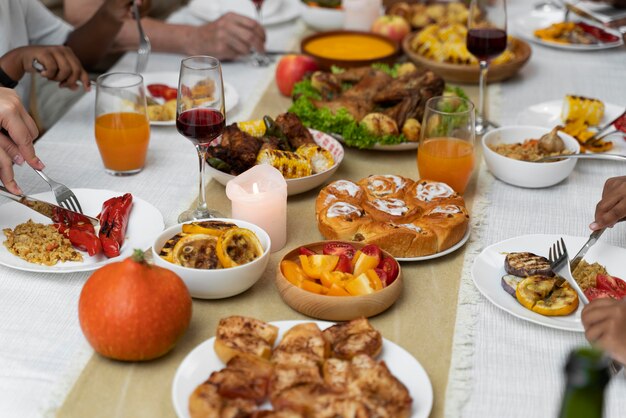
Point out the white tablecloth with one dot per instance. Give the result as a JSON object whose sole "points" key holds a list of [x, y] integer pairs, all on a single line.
{"points": [[42, 349], [503, 366]]}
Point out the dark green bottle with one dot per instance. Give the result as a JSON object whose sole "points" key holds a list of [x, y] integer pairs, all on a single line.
{"points": [[587, 373]]}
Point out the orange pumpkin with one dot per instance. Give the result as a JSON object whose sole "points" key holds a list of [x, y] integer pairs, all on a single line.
{"points": [[134, 311]]}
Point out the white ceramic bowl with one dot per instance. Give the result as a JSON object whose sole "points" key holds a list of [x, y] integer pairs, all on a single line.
{"points": [[303, 184], [220, 283], [321, 18], [523, 173]]}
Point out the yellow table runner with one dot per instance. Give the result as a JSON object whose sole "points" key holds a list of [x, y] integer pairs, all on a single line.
{"points": [[422, 320]]}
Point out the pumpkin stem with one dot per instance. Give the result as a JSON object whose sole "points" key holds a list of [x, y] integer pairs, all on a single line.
{"points": [[138, 256]]}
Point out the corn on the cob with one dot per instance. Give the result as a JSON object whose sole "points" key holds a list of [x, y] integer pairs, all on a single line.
{"points": [[290, 164], [253, 127], [590, 111], [321, 159]]}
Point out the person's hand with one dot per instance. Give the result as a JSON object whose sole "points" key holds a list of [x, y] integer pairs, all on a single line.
{"points": [[605, 326], [612, 207], [59, 62], [17, 146], [228, 37], [121, 9]]}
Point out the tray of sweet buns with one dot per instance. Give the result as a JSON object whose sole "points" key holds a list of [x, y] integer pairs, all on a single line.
{"points": [[412, 220]]}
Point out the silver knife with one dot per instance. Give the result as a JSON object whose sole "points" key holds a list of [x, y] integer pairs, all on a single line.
{"points": [[54, 212], [593, 238]]}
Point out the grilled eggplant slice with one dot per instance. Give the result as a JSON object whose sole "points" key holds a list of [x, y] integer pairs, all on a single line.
{"points": [[527, 264], [509, 283]]}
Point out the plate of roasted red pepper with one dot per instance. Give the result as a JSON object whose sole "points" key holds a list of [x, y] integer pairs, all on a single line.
{"points": [[126, 222]]}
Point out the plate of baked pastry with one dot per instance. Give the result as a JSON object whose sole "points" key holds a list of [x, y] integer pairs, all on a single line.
{"points": [[300, 369], [411, 220]]}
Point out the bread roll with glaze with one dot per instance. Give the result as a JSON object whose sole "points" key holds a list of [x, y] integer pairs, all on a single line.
{"points": [[426, 194], [385, 186], [404, 240], [341, 220], [344, 190], [449, 222], [390, 209]]}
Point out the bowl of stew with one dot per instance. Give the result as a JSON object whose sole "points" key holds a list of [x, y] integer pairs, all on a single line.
{"points": [[510, 166]]}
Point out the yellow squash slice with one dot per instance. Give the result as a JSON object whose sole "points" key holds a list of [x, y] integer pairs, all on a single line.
{"points": [[238, 246], [546, 296]]}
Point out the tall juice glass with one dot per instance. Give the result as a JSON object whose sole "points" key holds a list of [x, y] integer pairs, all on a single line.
{"points": [[446, 149], [122, 126]]}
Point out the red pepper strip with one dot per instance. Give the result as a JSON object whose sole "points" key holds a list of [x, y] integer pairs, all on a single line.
{"points": [[85, 240], [62, 216], [113, 223], [598, 33], [620, 124], [82, 236]]}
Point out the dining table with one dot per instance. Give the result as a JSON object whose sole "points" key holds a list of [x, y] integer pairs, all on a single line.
{"points": [[481, 361]]}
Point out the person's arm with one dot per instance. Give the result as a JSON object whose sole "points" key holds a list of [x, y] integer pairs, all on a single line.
{"points": [[612, 207], [605, 326], [227, 38], [17, 133], [93, 40]]}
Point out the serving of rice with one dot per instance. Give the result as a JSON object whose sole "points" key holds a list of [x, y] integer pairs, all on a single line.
{"points": [[40, 244], [585, 274]]}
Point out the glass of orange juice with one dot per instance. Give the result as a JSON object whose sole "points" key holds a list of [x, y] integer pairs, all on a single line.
{"points": [[446, 148], [122, 126]]}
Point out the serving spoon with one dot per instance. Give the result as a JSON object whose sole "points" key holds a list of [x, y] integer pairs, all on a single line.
{"points": [[612, 157]]}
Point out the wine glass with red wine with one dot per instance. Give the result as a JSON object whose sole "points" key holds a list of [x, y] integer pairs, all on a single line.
{"points": [[258, 59], [486, 39], [200, 117]]}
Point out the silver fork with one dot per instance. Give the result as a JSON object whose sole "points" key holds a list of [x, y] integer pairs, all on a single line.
{"points": [[559, 261], [64, 196], [143, 53], [560, 264]]}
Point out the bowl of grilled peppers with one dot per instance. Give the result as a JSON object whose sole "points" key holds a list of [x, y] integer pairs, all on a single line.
{"points": [[305, 157], [216, 258]]}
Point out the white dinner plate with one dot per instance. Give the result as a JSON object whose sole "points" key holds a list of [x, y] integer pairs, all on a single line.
{"points": [[548, 115], [170, 78], [527, 23], [488, 269], [404, 146], [144, 224], [302, 184], [202, 361], [273, 12], [439, 254]]}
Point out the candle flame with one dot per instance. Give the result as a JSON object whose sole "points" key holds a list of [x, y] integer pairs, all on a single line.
{"points": [[255, 188]]}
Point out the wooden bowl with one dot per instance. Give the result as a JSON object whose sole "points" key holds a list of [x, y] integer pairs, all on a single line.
{"points": [[325, 62], [469, 74], [335, 308]]}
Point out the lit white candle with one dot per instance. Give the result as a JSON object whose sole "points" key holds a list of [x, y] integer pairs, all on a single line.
{"points": [[259, 195]]}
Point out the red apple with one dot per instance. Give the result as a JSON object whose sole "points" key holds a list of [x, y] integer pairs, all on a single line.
{"points": [[394, 27], [291, 69]]}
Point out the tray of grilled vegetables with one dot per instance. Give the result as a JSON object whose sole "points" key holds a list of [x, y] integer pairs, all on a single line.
{"points": [[305, 157]]}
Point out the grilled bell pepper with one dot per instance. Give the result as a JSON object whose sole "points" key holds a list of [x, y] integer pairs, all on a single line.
{"points": [[82, 235], [272, 129], [113, 223]]}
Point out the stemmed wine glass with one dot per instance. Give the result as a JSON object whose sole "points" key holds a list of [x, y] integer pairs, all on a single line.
{"points": [[258, 59], [486, 39], [200, 116]]}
